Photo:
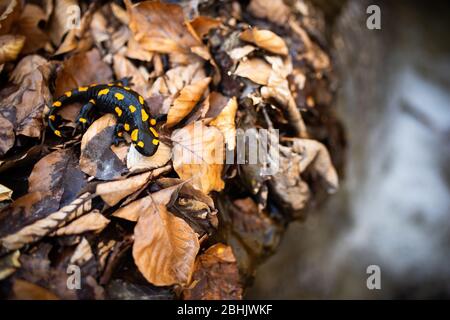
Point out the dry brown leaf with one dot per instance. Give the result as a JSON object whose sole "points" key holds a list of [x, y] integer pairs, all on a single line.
{"points": [[23, 109], [5, 193], [114, 191], [275, 10], [225, 122], [138, 162], [125, 68], [97, 158], [315, 156], [82, 69], [202, 25], [82, 253], [42, 227], [28, 26], [135, 209], [10, 12], [216, 276], [92, 221], [10, 47], [135, 51], [164, 248], [241, 52], [186, 101], [198, 154], [278, 88], [24, 290], [61, 19], [160, 27], [265, 39], [255, 69], [9, 264]]}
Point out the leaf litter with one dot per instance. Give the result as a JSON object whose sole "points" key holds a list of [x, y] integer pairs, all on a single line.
{"points": [[182, 223]]}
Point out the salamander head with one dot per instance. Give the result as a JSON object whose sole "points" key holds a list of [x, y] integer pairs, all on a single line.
{"points": [[145, 142]]}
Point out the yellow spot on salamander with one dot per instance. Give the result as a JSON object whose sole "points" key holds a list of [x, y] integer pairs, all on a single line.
{"points": [[119, 96], [52, 117], [92, 101], [82, 88], [118, 111], [154, 132], [152, 122], [68, 94], [126, 126], [141, 100], [58, 133], [140, 144], [127, 88], [82, 120], [120, 134], [57, 104], [155, 142], [132, 108], [134, 135], [103, 92], [110, 84], [93, 85], [144, 115]]}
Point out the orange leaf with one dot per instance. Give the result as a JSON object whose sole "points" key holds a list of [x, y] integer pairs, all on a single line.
{"points": [[164, 248]]}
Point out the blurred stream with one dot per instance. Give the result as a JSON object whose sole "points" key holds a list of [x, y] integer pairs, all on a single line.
{"points": [[393, 207]]}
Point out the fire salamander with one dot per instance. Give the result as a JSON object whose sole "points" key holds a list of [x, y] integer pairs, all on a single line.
{"points": [[118, 99]]}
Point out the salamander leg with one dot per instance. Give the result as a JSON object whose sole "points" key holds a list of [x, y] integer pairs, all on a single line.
{"points": [[118, 134], [83, 119], [126, 81]]}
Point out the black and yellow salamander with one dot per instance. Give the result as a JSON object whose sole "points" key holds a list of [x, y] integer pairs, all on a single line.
{"points": [[116, 98]]}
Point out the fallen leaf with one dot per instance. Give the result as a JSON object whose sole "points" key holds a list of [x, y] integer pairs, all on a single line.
{"points": [[255, 69], [277, 87], [275, 10], [28, 26], [225, 122], [198, 154], [160, 27], [316, 157], [114, 191], [5, 193], [186, 101], [81, 69], [97, 159], [164, 248], [241, 52], [202, 25], [24, 290], [216, 276], [9, 264], [10, 47], [138, 162], [61, 20], [10, 12], [92, 221], [125, 68], [266, 40]]}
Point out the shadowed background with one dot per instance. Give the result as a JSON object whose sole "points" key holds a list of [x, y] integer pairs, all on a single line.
{"points": [[393, 207]]}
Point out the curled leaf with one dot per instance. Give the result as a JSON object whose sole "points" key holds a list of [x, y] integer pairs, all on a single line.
{"points": [[97, 158], [266, 40], [255, 69]]}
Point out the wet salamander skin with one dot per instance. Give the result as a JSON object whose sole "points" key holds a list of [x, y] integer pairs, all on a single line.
{"points": [[127, 105]]}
